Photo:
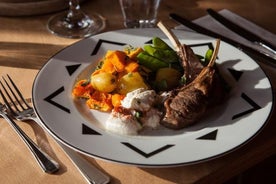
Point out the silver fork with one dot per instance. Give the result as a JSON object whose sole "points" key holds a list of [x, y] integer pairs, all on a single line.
{"points": [[45, 161], [25, 112]]}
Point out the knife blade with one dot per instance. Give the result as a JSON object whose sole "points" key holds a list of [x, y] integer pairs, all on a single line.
{"points": [[265, 57], [241, 31]]}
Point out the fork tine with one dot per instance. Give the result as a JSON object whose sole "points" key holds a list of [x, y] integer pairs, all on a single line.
{"points": [[8, 94], [6, 101], [18, 92], [13, 94]]}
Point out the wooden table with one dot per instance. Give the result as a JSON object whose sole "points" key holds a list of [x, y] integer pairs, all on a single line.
{"points": [[25, 45]]}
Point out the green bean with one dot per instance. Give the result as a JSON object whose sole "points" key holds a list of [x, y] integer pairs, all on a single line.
{"points": [[149, 49], [159, 43], [150, 61], [208, 56], [168, 56]]}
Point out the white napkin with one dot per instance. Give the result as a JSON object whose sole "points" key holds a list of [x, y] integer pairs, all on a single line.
{"points": [[211, 24]]}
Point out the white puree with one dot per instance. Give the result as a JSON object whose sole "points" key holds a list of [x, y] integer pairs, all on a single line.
{"points": [[139, 101]]}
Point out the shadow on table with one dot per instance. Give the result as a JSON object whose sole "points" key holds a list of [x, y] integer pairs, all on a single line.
{"points": [[26, 55], [172, 174], [43, 142]]}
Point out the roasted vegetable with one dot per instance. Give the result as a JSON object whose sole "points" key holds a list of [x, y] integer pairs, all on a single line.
{"points": [[82, 89], [151, 62], [132, 66], [130, 82], [158, 55], [116, 99], [104, 82], [208, 56], [133, 52], [100, 101], [159, 43], [168, 56], [167, 79], [117, 58]]}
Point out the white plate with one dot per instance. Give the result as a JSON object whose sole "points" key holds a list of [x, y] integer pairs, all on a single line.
{"points": [[229, 126]]}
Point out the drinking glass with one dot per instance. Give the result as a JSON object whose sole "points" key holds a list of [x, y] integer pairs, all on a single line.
{"points": [[75, 23], [139, 13]]}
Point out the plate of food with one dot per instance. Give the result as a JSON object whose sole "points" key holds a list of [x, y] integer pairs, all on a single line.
{"points": [[152, 98]]}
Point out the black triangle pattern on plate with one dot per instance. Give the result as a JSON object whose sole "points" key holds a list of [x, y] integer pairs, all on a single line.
{"points": [[236, 74], [209, 136], [149, 42], [72, 68], [99, 44], [89, 131], [53, 95], [208, 44], [254, 105], [150, 154]]}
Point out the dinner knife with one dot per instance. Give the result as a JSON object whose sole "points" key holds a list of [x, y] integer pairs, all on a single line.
{"points": [[92, 174], [266, 58], [241, 31]]}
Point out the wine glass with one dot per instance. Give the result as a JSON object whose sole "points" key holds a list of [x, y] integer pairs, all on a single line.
{"points": [[75, 23]]}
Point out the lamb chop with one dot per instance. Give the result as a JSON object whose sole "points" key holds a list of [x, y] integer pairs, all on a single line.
{"points": [[190, 62], [186, 105]]}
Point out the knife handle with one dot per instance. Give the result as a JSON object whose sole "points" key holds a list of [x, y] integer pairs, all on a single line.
{"points": [[263, 57], [252, 37], [89, 172]]}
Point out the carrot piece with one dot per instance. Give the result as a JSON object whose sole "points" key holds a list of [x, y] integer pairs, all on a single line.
{"points": [[108, 66], [116, 99], [117, 58], [97, 72], [99, 105], [82, 89], [100, 101], [133, 53], [132, 66]]}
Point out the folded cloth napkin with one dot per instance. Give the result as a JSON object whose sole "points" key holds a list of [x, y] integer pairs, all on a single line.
{"points": [[211, 24]]}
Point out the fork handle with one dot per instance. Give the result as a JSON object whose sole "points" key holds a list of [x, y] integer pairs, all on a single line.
{"points": [[47, 164], [90, 172]]}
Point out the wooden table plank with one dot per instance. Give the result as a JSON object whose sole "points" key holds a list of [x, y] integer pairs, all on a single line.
{"points": [[26, 43]]}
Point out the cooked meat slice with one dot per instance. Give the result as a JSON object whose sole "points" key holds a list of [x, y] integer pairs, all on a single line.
{"points": [[187, 105], [190, 62], [194, 64], [190, 109]]}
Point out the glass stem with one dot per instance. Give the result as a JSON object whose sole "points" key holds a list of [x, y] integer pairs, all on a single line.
{"points": [[75, 17], [74, 6]]}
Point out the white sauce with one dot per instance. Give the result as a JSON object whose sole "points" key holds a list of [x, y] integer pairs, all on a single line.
{"points": [[141, 101], [122, 124]]}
